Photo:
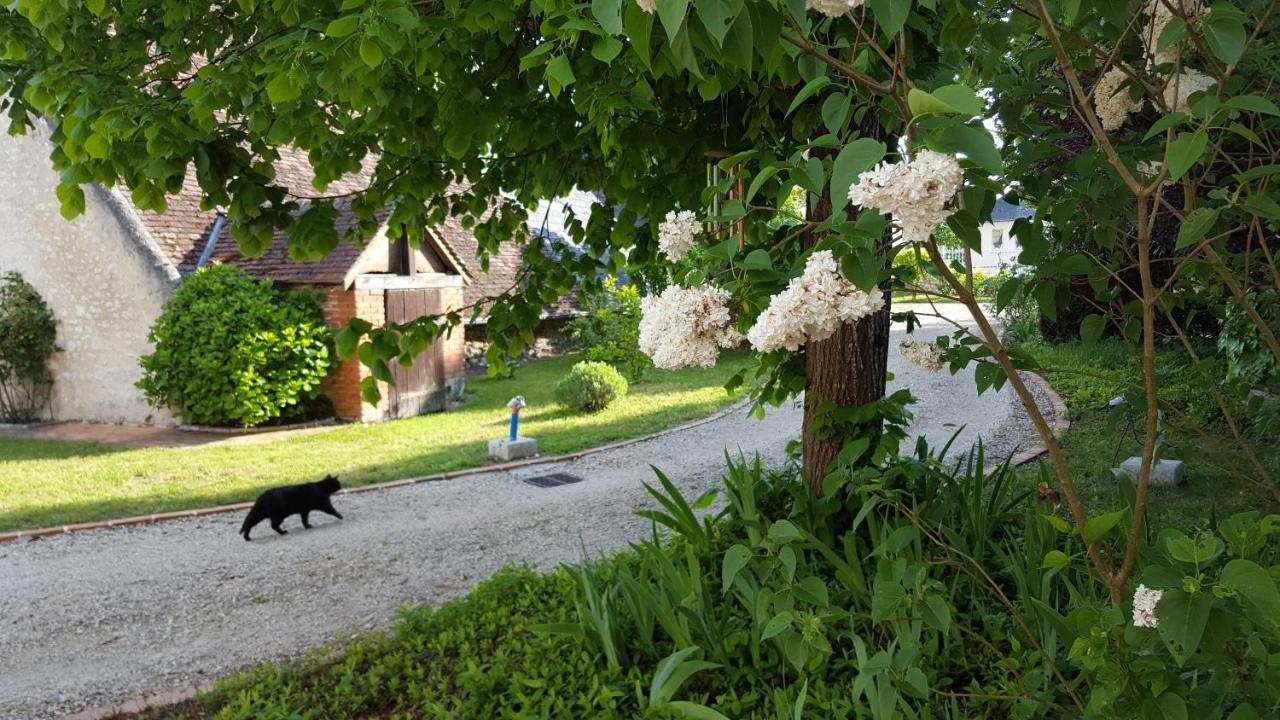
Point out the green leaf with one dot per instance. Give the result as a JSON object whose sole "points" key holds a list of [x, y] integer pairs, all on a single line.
{"points": [[988, 375], [758, 260], [1184, 152], [916, 682], [1171, 706], [784, 531], [716, 18], [854, 159], [282, 89], [890, 14], [1253, 103], [672, 13], [937, 613], [97, 145], [1182, 620], [97, 7], [370, 52], [735, 558], [807, 91], [976, 143], [835, 111], [1255, 591], [343, 26], [760, 179], [946, 100], [605, 49], [780, 622], [1053, 559], [1099, 525], [1196, 226], [609, 14], [1173, 119], [1262, 206], [1224, 32], [561, 72], [694, 711], [1091, 329]]}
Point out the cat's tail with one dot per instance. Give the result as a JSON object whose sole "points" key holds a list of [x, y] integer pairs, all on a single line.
{"points": [[253, 518]]}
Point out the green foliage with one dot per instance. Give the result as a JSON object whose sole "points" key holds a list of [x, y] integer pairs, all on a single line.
{"points": [[28, 338], [1015, 307], [591, 386], [1248, 360], [610, 331], [231, 350]]}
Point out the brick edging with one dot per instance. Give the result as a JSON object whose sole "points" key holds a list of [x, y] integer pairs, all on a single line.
{"points": [[1059, 424], [481, 470]]}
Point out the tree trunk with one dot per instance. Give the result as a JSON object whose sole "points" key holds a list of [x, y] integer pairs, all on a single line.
{"points": [[847, 369]]}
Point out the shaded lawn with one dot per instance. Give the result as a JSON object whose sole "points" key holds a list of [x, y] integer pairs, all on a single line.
{"points": [[1215, 487], [46, 483]]}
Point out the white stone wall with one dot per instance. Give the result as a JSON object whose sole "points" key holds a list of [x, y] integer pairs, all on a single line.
{"points": [[101, 275]]}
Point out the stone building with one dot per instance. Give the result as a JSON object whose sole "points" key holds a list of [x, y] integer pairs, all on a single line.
{"points": [[107, 273]]}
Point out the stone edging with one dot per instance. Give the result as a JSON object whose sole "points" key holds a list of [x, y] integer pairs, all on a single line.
{"points": [[214, 429], [1059, 423], [17, 535], [143, 703]]}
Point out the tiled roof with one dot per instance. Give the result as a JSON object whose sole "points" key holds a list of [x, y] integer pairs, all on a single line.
{"points": [[275, 263], [1005, 211]]}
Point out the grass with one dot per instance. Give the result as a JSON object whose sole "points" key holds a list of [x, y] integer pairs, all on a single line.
{"points": [[1217, 479], [45, 483]]}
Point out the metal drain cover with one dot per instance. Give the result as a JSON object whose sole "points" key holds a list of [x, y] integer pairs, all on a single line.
{"points": [[552, 480]]}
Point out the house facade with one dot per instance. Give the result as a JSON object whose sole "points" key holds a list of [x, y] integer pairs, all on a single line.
{"points": [[107, 273], [1000, 247]]}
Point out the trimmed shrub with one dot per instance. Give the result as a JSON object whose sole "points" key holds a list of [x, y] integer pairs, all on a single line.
{"points": [[591, 386], [610, 331], [28, 338], [231, 350]]}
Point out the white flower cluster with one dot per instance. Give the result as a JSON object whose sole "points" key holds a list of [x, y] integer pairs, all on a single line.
{"points": [[1178, 89], [648, 6], [832, 8], [1144, 607], [1112, 101], [678, 233], [927, 355], [686, 326], [1161, 13], [812, 307], [917, 192]]}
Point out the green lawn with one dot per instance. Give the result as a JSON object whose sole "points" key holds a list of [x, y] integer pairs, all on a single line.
{"points": [[1218, 481], [46, 483]]}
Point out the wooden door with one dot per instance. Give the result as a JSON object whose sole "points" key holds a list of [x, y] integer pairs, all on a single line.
{"points": [[420, 387]]}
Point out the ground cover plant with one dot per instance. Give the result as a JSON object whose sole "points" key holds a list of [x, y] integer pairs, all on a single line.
{"points": [[65, 483]]}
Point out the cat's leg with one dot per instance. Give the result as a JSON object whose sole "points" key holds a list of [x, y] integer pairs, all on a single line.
{"points": [[305, 523], [328, 508], [275, 524]]}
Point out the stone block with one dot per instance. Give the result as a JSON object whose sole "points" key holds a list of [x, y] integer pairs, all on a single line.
{"points": [[1165, 473], [506, 449]]}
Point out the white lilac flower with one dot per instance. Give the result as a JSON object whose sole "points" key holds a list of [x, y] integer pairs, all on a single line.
{"points": [[1161, 14], [1112, 100], [1179, 88], [648, 6], [832, 8], [928, 355], [678, 233], [1144, 607], [686, 326], [812, 307], [917, 192]]}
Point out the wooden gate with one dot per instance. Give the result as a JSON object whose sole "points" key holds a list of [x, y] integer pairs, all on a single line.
{"points": [[419, 388]]}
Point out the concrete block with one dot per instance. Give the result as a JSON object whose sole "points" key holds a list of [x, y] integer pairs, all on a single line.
{"points": [[1165, 473], [506, 449]]}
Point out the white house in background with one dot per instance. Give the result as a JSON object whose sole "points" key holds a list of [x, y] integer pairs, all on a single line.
{"points": [[1000, 247]]}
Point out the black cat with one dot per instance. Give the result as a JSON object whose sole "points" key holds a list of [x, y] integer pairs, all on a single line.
{"points": [[279, 503]]}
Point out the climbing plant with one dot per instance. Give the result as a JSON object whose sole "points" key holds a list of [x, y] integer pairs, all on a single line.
{"points": [[28, 339]]}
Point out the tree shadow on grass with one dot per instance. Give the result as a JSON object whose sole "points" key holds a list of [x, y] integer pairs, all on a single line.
{"points": [[18, 448]]}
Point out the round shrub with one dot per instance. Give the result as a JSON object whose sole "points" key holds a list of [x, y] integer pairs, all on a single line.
{"points": [[232, 350], [28, 338], [591, 387]]}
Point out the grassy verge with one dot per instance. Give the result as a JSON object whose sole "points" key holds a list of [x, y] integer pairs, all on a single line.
{"points": [[1217, 483], [53, 483]]}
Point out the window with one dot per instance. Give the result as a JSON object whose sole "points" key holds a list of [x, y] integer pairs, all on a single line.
{"points": [[997, 238]]}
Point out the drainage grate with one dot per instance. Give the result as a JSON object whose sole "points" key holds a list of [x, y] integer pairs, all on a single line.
{"points": [[552, 480]]}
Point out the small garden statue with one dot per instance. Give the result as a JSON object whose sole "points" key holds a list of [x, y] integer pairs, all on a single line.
{"points": [[513, 447]]}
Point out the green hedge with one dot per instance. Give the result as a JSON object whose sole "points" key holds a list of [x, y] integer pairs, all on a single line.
{"points": [[231, 350], [591, 387]]}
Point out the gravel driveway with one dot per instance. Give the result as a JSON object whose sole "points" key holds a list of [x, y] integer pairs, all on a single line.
{"points": [[92, 618]]}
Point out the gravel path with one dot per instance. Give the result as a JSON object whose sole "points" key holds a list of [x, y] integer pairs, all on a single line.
{"points": [[93, 618]]}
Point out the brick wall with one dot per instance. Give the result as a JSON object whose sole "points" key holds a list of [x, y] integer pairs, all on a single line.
{"points": [[343, 387]]}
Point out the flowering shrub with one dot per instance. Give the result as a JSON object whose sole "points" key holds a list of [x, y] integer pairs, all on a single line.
{"points": [[678, 233], [231, 350], [686, 326], [812, 307], [610, 331], [28, 338], [591, 387]]}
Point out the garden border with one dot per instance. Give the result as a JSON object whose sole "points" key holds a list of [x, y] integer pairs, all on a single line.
{"points": [[23, 535], [1060, 424]]}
